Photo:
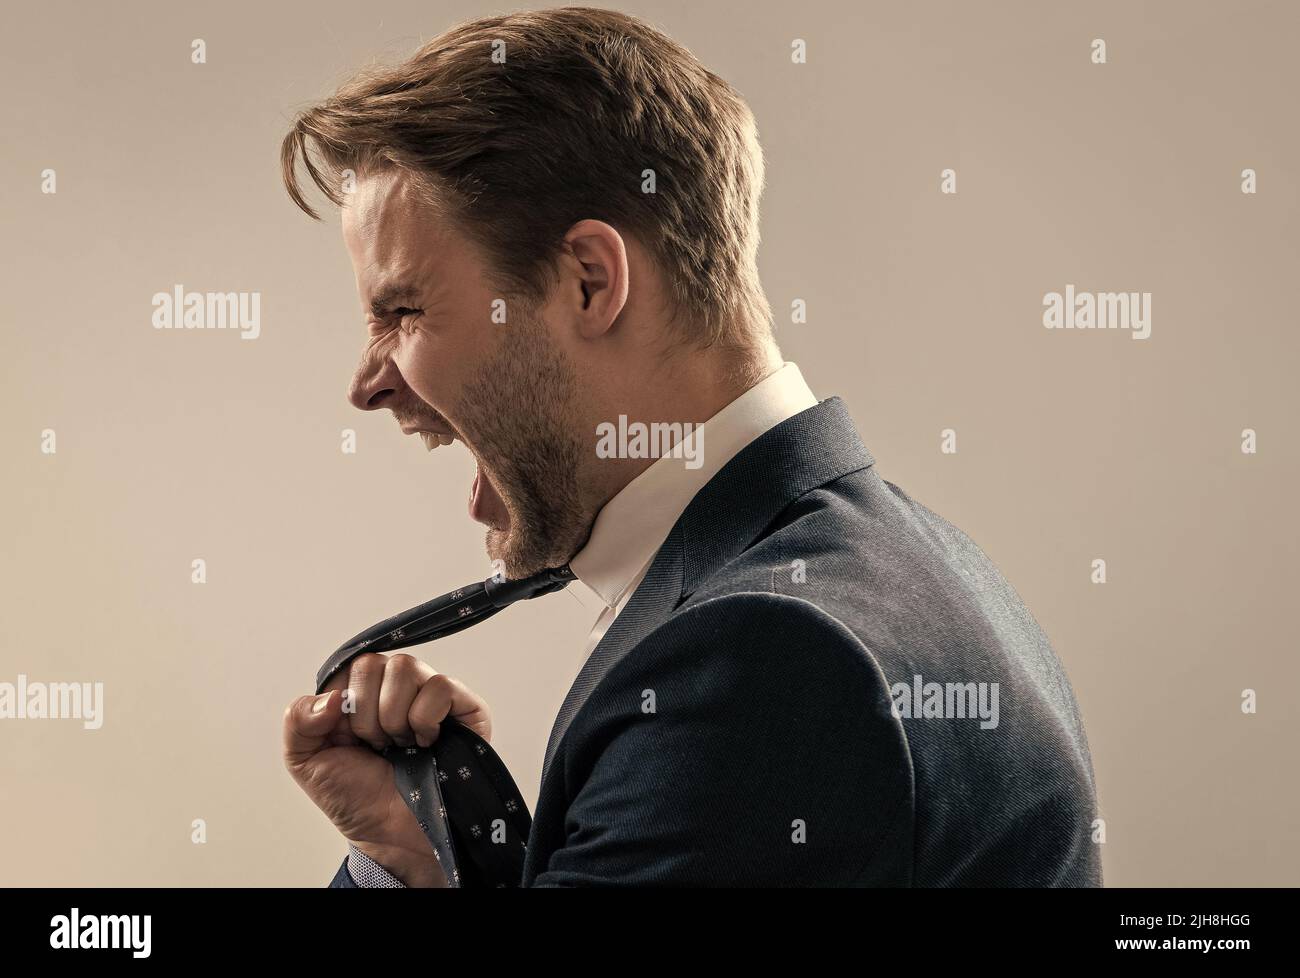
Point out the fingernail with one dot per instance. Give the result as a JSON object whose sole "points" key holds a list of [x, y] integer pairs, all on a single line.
{"points": [[319, 705]]}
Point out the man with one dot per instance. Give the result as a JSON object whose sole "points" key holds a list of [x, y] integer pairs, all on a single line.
{"points": [[802, 676]]}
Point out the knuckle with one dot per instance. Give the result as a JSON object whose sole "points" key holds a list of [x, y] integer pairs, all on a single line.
{"points": [[366, 662], [292, 711], [401, 666], [427, 715], [441, 683]]}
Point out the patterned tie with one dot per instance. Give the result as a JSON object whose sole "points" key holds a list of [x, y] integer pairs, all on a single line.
{"points": [[458, 789]]}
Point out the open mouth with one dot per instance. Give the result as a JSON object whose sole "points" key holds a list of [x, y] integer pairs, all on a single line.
{"points": [[485, 503]]}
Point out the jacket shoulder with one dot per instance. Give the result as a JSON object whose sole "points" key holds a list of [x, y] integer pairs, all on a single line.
{"points": [[764, 706]]}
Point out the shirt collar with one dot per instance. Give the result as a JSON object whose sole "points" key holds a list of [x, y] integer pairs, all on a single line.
{"points": [[632, 526]]}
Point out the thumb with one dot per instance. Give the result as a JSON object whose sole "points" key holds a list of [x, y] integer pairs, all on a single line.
{"points": [[308, 721]]}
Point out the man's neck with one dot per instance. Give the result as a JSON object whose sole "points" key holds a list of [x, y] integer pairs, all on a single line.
{"points": [[689, 390]]}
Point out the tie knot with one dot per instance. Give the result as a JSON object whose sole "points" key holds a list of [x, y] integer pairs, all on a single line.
{"points": [[503, 593]]}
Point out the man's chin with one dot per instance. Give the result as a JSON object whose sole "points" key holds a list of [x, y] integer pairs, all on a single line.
{"points": [[518, 557], [513, 552], [497, 546], [506, 556]]}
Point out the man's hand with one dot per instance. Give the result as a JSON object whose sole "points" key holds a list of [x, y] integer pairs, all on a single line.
{"points": [[330, 744]]}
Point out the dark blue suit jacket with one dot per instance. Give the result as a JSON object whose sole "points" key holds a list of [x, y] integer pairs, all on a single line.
{"points": [[800, 693]]}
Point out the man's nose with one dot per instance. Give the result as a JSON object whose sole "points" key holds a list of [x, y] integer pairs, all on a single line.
{"points": [[374, 383]]}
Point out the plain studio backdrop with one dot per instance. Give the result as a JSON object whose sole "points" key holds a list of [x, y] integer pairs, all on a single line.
{"points": [[924, 312]]}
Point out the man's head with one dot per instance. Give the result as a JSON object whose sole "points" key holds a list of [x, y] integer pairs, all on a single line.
{"points": [[553, 219]]}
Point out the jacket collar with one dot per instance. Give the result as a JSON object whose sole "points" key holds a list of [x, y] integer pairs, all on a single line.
{"points": [[808, 450]]}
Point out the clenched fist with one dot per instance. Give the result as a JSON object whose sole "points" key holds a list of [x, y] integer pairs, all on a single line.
{"points": [[330, 744]]}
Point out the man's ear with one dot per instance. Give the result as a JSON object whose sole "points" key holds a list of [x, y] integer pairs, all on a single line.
{"points": [[596, 280]]}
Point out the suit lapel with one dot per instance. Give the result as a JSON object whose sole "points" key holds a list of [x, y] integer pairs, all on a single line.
{"points": [[801, 453]]}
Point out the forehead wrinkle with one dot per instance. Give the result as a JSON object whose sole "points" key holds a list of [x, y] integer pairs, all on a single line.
{"points": [[396, 237]]}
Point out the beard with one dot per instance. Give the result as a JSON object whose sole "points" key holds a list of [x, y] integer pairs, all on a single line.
{"points": [[519, 412]]}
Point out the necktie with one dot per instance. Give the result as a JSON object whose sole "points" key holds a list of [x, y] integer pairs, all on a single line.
{"points": [[459, 790]]}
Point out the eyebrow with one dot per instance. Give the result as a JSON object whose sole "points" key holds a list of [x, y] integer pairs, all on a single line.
{"points": [[388, 295]]}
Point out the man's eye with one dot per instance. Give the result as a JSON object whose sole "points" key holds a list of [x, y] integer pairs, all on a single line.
{"points": [[400, 315]]}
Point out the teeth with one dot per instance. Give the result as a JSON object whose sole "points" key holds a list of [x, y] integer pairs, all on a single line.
{"points": [[435, 439]]}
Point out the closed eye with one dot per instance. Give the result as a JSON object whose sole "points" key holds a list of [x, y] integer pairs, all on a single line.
{"points": [[400, 314]]}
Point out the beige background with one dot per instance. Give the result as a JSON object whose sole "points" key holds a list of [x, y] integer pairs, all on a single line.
{"points": [[924, 313]]}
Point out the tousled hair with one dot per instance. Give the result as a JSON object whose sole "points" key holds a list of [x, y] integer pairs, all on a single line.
{"points": [[522, 125]]}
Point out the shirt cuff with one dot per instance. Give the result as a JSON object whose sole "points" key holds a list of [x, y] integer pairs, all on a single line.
{"points": [[368, 874]]}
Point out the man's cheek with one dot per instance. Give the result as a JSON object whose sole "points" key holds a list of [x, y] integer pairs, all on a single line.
{"points": [[417, 365]]}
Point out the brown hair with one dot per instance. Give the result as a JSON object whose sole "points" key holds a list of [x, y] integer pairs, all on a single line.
{"points": [[561, 130]]}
